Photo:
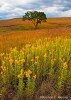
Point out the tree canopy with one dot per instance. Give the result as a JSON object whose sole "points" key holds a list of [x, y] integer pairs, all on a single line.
{"points": [[35, 16]]}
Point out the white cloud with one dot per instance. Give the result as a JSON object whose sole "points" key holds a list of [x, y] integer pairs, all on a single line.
{"points": [[66, 13], [17, 2], [5, 7], [11, 7], [17, 8], [51, 9]]}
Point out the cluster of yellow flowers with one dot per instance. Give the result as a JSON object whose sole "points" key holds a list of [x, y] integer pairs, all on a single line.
{"points": [[21, 74], [45, 55], [65, 66], [37, 57], [3, 67], [32, 60], [34, 77], [11, 60], [1, 54], [27, 73], [14, 50], [22, 60]]}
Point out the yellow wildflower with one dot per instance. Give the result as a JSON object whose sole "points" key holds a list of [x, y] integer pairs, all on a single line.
{"points": [[16, 61], [54, 59], [36, 62], [2, 54], [32, 60], [28, 55], [34, 77], [27, 45], [36, 48], [3, 62], [45, 55], [29, 72], [21, 51], [22, 71], [1, 72], [65, 66], [27, 75], [14, 50], [3, 67], [22, 60], [11, 60], [33, 48], [7, 54], [37, 57], [19, 75], [6, 58]]}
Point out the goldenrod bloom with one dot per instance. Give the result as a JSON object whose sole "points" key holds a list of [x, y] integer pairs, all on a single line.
{"points": [[1, 72], [36, 62], [7, 54], [16, 61], [28, 55], [6, 58], [3, 68], [37, 57], [22, 71], [2, 54], [19, 75], [14, 50], [21, 51], [27, 45], [3, 62], [36, 48], [45, 55], [65, 66], [33, 48], [28, 73], [32, 60], [11, 60], [22, 60], [54, 59], [34, 77]]}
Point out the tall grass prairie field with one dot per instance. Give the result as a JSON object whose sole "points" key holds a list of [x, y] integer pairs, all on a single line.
{"points": [[35, 64]]}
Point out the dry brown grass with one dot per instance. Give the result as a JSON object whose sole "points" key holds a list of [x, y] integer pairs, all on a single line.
{"points": [[19, 38], [12, 38], [20, 21]]}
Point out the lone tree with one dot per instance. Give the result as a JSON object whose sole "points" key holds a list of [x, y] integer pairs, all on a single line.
{"points": [[36, 17]]}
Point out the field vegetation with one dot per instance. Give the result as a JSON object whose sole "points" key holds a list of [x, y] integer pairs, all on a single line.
{"points": [[35, 64]]}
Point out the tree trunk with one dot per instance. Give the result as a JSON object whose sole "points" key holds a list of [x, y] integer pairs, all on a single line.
{"points": [[36, 26]]}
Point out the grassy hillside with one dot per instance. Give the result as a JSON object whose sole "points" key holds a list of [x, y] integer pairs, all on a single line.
{"points": [[19, 24]]}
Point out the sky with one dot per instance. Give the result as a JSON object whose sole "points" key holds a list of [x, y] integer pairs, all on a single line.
{"points": [[17, 8]]}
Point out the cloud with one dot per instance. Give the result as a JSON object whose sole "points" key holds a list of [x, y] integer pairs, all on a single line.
{"points": [[66, 13], [16, 2], [17, 8]]}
